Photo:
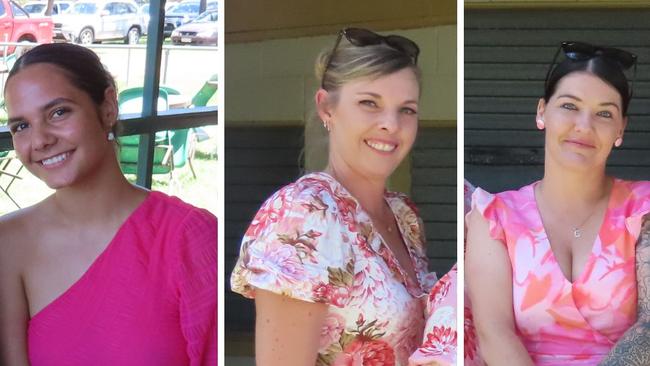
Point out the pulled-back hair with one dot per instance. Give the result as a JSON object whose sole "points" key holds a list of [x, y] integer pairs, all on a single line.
{"points": [[604, 68]]}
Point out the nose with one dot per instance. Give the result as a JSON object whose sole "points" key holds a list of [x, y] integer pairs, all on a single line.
{"points": [[583, 121], [389, 121], [41, 137]]}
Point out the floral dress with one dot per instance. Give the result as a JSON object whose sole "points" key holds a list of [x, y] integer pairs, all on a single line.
{"points": [[312, 241], [440, 334], [562, 322]]}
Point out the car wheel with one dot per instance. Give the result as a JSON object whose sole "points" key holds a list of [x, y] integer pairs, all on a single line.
{"points": [[133, 36], [86, 36]]}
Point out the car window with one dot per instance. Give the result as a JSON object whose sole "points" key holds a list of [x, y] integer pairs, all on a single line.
{"points": [[130, 8], [206, 17], [34, 8], [185, 9], [18, 12], [2, 9], [212, 6], [111, 8], [84, 8], [63, 7]]}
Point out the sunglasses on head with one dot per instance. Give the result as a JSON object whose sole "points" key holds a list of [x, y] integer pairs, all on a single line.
{"points": [[360, 37], [580, 51]]}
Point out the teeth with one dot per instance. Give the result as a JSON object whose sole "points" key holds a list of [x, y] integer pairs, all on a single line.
{"points": [[55, 159], [381, 146]]}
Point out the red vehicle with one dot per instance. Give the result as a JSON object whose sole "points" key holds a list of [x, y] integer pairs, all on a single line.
{"points": [[17, 26]]}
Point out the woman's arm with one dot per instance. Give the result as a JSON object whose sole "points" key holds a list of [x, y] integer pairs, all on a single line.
{"points": [[14, 312], [489, 281], [287, 331], [633, 349]]}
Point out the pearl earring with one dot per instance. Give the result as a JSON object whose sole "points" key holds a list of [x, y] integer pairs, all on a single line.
{"points": [[618, 142], [540, 124], [111, 136]]}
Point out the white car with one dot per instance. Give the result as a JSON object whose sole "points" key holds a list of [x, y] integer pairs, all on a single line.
{"points": [[91, 21]]}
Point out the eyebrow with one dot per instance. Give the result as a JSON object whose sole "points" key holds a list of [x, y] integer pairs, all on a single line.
{"points": [[45, 107], [580, 100], [375, 95]]}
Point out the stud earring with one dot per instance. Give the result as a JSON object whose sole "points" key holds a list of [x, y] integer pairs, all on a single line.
{"points": [[618, 142], [326, 125], [540, 124], [111, 136]]}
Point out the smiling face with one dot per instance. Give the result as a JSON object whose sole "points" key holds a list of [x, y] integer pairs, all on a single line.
{"points": [[373, 123], [583, 119], [59, 133]]}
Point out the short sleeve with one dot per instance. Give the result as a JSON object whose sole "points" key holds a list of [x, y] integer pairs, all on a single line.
{"points": [[487, 204], [637, 194], [196, 271], [299, 245], [440, 334]]}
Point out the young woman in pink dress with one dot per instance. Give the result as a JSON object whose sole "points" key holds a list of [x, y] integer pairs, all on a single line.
{"points": [[551, 267], [101, 272], [336, 264]]}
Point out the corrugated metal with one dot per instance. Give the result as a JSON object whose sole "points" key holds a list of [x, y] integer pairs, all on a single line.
{"points": [[507, 55]]}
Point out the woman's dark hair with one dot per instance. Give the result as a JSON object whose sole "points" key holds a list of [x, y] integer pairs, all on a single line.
{"points": [[604, 68]]}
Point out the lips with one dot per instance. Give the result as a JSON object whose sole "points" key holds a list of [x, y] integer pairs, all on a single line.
{"points": [[382, 146], [580, 143], [55, 160]]}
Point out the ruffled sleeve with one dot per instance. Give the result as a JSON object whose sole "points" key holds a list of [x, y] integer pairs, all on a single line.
{"points": [[638, 197], [440, 335], [488, 206], [196, 273], [298, 245]]}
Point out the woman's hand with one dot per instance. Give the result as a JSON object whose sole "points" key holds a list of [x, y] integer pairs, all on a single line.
{"points": [[287, 331], [489, 281]]}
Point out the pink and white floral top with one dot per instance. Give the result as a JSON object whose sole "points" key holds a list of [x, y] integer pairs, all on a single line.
{"points": [[313, 241]]}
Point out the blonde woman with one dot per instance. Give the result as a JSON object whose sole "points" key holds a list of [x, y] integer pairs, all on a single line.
{"points": [[336, 264]]}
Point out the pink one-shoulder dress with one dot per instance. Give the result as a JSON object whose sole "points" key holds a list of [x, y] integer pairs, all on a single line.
{"points": [[148, 299]]}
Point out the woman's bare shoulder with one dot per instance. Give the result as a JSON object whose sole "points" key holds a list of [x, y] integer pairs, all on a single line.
{"points": [[19, 231]]}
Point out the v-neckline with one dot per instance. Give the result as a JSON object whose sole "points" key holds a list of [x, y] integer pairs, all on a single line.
{"points": [[547, 240], [405, 278]]}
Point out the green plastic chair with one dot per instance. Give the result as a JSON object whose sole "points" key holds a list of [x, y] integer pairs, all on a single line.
{"points": [[130, 101], [206, 92], [172, 149]]}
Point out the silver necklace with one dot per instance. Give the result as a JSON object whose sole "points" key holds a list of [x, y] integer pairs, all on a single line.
{"points": [[577, 230]]}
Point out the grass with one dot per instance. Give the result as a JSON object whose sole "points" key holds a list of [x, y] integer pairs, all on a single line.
{"points": [[200, 191]]}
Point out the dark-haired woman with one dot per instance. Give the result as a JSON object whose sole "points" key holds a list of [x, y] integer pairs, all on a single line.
{"points": [[551, 267], [101, 272]]}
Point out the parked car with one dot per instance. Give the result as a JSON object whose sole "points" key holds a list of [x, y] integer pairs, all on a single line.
{"points": [[38, 7], [92, 21], [202, 30], [18, 26], [182, 13]]}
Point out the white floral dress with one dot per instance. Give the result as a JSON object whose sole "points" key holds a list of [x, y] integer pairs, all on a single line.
{"points": [[312, 241]]}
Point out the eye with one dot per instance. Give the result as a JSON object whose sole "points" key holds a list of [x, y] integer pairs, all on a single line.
{"points": [[59, 112], [368, 103], [17, 127], [605, 114], [409, 110], [569, 106]]}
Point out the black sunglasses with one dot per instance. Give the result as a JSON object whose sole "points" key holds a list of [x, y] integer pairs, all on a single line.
{"points": [[580, 51], [362, 37]]}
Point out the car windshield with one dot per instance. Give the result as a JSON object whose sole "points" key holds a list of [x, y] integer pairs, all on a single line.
{"points": [[84, 8], [207, 17], [192, 8], [34, 8]]}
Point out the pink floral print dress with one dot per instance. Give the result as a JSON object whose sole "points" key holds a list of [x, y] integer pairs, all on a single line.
{"points": [[312, 241], [561, 322]]}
